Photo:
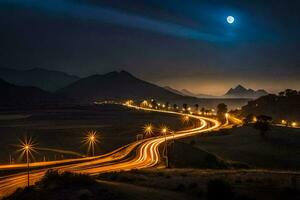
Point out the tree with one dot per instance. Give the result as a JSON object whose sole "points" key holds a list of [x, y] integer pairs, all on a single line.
{"points": [[202, 110], [196, 107], [281, 94], [154, 104], [263, 124], [290, 92], [167, 105], [184, 106], [175, 106], [221, 111], [249, 118]]}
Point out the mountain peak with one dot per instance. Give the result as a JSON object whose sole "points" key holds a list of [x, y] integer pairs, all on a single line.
{"points": [[241, 92], [115, 85], [240, 87]]}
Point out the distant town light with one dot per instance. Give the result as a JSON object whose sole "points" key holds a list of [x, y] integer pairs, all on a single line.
{"points": [[254, 119]]}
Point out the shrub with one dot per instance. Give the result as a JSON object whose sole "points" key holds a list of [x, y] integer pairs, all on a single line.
{"points": [[65, 179]]}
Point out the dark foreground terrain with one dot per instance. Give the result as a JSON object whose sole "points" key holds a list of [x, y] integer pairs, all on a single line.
{"points": [[166, 184]]}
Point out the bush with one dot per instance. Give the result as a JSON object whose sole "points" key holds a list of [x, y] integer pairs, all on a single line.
{"points": [[219, 189], [55, 178]]}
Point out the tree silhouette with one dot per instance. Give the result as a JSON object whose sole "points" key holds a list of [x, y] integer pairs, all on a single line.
{"points": [[290, 92], [202, 110], [221, 111], [167, 105], [196, 107], [263, 124], [154, 104], [249, 118], [184, 106], [175, 106]]}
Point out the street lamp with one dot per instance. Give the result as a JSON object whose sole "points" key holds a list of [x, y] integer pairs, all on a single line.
{"points": [[91, 139], [164, 131], [148, 129], [27, 147]]}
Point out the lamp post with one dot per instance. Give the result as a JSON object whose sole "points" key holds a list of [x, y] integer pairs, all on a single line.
{"points": [[164, 131], [148, 130], [91, 139], [27, 149], [27, 146]]}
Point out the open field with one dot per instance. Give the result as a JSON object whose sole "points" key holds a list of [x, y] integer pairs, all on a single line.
{"points": [[279, 149], [64, 129]]}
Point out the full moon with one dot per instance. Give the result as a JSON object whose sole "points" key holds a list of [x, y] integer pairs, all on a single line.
{"points": [[230, 19]]}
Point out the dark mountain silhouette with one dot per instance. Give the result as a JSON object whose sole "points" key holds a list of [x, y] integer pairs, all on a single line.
{"points": [[285, 106], [13, 95], [185, 92], [123, 85], [116, 86], [173, 90], [241, 92], [45, 79], [189, 93]]}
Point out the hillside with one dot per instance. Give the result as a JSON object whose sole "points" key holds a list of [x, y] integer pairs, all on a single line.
{"points": [[285, 106], [45, 79], [116, 86], [13, 95]]}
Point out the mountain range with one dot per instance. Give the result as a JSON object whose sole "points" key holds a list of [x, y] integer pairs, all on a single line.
{"points": [[14, 95], [48, 80], [241, 92], [28, 87], [116, 86], [237, 92]]}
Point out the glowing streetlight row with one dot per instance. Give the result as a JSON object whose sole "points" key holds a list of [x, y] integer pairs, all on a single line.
{"points": [[28, 146], [149, 130]]}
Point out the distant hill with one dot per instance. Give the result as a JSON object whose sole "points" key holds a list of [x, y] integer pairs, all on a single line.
{"points": [[285, 106], [241, 92], [189, 93], [123, 85], [116, 86], [13, 95], [45, 79], [185, 92], [173, 90]]}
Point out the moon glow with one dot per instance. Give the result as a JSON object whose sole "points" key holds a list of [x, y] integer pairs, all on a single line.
{"points": [[230, 19]]}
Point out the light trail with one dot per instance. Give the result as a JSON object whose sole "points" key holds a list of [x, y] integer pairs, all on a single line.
{"points": [[140, 154]]}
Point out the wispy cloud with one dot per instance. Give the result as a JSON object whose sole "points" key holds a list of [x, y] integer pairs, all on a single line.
{"points": [[117, 17]]}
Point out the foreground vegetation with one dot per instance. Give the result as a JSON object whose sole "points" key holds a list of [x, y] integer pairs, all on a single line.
{"points": [[165, 183], [216, 184]]}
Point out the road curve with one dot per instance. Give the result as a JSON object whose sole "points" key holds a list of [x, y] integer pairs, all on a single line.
{"points": [[140, 154]]}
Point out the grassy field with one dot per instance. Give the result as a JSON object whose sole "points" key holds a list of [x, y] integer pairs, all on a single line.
{"points": [[279, 149], [64, 129]]}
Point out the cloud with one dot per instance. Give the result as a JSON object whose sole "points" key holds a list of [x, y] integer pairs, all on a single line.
{"points": [[117, 17]]}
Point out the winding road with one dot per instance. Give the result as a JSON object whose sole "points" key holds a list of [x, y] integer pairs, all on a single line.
{"points": [[140, 154]]}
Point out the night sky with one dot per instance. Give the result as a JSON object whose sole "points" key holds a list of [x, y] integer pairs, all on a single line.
{"points": [[179, 43]]}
